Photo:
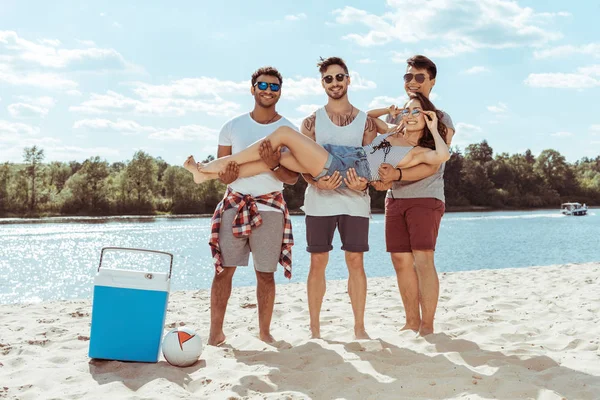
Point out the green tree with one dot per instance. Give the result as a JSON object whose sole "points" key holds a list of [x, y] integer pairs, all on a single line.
{"points": [[141, 176], [33, 156], [480, 152]]}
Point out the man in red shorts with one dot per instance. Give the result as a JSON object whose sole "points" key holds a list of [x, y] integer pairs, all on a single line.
{"points": [[413, 209]]}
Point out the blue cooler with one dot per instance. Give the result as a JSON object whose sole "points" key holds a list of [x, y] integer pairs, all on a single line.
{"points": [[128, 311]]}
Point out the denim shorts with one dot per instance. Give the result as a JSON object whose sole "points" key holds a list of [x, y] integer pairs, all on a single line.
{"points": [[342, 158]]}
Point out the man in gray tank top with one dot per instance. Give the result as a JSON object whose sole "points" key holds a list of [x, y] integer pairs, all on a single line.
{"points": [[413, 210], [328, 207]]}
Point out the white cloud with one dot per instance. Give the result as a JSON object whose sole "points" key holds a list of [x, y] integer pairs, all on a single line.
{"points": [[42, 101], [187, 133], [562, 134], [122, 126], [88, 43], [17, 129], [500, 108], [37, 79], [295, 17], [113, 102], [307, 109], [561, 81], [590, 49], [592, 70], [117, 25], [366, 61], [467, 134], [400, 57], [192, 87], [49, 54], [50, 42], [460, 26], [476, 70], [23, 110], [386, 101], [595, 129], [74, 93]]}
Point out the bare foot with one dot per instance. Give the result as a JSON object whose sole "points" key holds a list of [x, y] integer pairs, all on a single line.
{"points": [[315, 333], [425, 330], [410, 327], [361, 334], [267, 338], [216, 340], [191, 165]]}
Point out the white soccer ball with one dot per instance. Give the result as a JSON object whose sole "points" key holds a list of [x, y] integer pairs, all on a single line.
{"points": [[182, 347]]}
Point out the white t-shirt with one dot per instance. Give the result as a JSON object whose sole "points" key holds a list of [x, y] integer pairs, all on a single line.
{"points": [[241, 132]]}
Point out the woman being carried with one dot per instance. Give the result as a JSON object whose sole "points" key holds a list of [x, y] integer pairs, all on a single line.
{"points": [[307, 156]]}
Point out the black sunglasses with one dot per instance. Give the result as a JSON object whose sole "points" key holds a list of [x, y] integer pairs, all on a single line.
{"points": [[329, 78], [264, 85], [420, 78]]}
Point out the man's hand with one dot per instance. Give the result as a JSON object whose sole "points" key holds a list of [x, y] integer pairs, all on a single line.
{"points": [[388, 173], [355, 182], [329, 182], [380, 186], [230, 173], [268, 155]]}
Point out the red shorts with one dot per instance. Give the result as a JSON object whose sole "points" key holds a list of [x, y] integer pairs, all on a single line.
{"points": [[412, 224]]}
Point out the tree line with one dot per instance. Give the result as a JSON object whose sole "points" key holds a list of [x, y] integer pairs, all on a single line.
{"points": [[148, 185]]}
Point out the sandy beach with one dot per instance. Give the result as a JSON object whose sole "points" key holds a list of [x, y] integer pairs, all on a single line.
{"points": [[526, 333]]}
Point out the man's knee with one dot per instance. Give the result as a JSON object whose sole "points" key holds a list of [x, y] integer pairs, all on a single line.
{"points": [[265, 277], [225, 275], [424, 260], [354, 260], [318, 261], [402, 261]]}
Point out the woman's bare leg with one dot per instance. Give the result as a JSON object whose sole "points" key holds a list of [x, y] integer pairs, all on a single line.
{"points": [[248, 169], [308, 154]]}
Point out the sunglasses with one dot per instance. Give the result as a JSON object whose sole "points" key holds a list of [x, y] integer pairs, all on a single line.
{"points": [[264, 85], [329, 78], [415, 112], [420, 78]]}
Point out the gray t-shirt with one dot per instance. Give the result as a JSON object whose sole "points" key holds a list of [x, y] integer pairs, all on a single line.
{"points": [[430, 187]]}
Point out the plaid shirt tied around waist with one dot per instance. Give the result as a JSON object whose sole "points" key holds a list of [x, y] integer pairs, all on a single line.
{"points": [[247, 218]]}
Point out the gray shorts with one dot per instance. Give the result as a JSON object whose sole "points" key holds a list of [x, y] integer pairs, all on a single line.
{"points": [[264, 242]]}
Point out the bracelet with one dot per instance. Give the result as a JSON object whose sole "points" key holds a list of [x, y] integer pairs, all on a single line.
{"points": [[275, 168], [400, 177]]}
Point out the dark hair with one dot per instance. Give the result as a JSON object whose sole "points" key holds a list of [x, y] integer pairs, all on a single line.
{"points": [[426, 140], [422, 62], [266, 71], [325, 63]]}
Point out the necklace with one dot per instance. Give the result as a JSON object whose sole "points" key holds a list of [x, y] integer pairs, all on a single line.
{"points": [[264, 123]]}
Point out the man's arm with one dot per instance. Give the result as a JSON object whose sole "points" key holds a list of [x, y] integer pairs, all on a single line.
{"points": [[326, 182], [423, 171]]}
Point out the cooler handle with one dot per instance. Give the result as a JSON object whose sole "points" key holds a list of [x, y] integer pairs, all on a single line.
{"points": [[136, 250]]}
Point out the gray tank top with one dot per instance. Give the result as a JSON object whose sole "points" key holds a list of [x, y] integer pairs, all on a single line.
{"points": [[381, 151]]}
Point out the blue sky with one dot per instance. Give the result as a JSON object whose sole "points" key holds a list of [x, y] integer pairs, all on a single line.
{"points": [[108, 78]]}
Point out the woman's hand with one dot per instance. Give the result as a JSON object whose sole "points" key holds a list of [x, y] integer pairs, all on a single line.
{"points": [[393, 111], [431, 120]]}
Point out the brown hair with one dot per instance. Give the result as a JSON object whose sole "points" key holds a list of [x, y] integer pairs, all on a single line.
{"points": [[266, 71], [421, 62], [426, 140], [325, 63]]}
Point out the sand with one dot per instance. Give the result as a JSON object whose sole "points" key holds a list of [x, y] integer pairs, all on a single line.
{"points": [[522, 333]]}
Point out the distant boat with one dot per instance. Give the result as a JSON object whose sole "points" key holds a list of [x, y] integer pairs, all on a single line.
{"points": [[573, 209]]}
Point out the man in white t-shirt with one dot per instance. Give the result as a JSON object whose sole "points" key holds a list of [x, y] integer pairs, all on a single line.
{"points": [[264, 241]]}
